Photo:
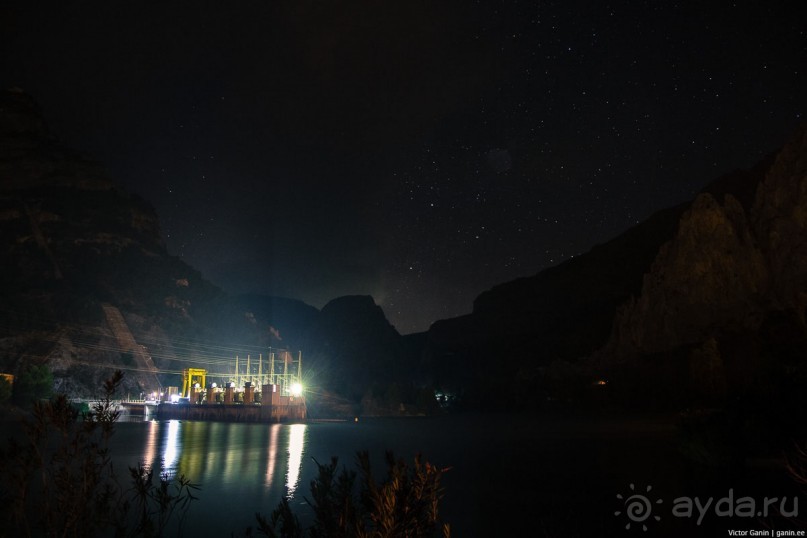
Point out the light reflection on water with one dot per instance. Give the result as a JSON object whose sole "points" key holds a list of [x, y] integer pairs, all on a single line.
{"points": [[296, 445], [173, 446], [150, 451], [228, 454], [495, 462], [271, 456]]}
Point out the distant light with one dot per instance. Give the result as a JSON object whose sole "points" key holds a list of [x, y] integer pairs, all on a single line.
{"points": [[601, 382], [213, 385], [174, 398], [296, 389]]}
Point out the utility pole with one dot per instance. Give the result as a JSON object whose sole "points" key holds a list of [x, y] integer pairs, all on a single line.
{"points": [[299, 366], [285, 371]]}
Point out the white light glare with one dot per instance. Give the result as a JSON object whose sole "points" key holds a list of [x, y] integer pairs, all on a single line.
{"points": [[296, 389]]}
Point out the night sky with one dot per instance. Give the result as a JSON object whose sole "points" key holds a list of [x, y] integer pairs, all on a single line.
{"points": [[419, 152]]}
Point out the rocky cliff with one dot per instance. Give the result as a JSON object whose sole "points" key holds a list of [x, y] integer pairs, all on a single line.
{"points": [[725, 266], [71, 242], [723, 304], [687, 278], [87, 286], [709, 275], [779, 224]]}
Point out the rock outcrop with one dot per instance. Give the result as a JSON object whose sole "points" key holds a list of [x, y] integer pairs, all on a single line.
{"points": [[75, 245], [779, 223], [724, 268], [710, 275], [723, 277], [72, 239]]}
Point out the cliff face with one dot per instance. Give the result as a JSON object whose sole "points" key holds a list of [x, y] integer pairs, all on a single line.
{"points": [[723, 277], [724, 268], [779, 223], [711, 274], [59, 208], [87, 286], [71, 241], [721, 314]]}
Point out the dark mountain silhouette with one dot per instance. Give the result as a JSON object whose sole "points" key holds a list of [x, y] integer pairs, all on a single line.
{"points": [[87, 286], [354, 330], [72, 241], [721, 314], [700, 303], [529, 340]]}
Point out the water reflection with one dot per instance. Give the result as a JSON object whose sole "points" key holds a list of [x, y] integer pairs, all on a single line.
{"points": [[173, 446], [228, 454], [296, 445], [271, 456], [150, 452], [194, 462]]}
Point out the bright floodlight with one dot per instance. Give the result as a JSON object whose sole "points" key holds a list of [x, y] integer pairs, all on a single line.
{"points": [[296, 389]]}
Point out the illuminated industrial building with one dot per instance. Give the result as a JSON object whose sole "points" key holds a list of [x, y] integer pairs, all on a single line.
{"points": [[271, 395]]}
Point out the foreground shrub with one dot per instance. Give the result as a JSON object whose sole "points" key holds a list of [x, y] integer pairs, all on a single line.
{"points": [[59, 480], [405, 504]]}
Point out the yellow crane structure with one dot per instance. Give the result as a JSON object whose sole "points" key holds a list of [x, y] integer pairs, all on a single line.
{"points": [[191, 376]]}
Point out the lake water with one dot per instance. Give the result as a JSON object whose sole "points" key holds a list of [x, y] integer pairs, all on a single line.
{"points": [[509, 476]]}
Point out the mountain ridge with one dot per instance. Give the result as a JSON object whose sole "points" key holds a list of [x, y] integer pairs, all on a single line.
{"points": [[701, 294], [76, 246], [548, 326]]}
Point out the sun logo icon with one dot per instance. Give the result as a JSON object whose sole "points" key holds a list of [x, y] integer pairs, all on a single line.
{"points": [[638, 507]]}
